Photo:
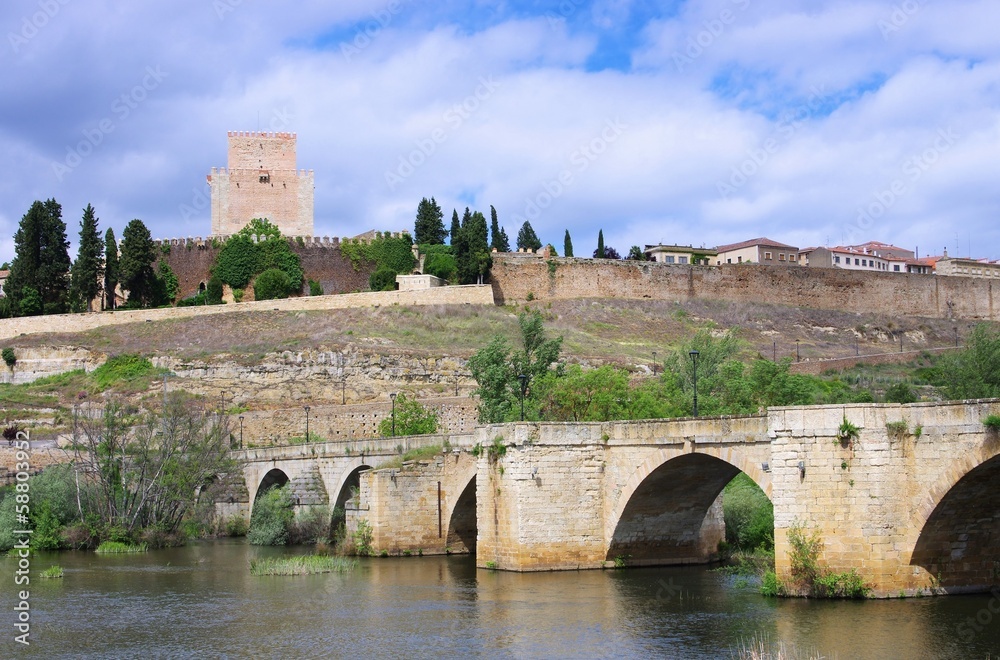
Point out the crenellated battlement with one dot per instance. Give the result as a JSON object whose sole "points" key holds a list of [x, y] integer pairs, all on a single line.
{"points": [[262, 134], [201, 242]]}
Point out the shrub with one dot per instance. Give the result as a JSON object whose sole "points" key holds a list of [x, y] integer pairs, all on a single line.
{"points": [[770, 585], [749, 515], [312, 525], [213, 291], [121, 368], [897, 430], [841, 585], [383, 279], [411, 418], [315, 288], [363, 539], [272, 284], [9, 357], [992, 422], [236, 526], [47, 530], [900, 393], [272, 518], [52, 572]]}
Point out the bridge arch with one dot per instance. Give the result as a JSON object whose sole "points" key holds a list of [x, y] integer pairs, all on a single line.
{"points": [[664, 513], [463, 529], [956, 528], [350, 477], [273, 478]]}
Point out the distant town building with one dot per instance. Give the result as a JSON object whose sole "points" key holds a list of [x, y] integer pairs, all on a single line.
{"points": [[871, 256], [759, 251], [262, 181], [967, 267], [680, 254], [4, 274]]}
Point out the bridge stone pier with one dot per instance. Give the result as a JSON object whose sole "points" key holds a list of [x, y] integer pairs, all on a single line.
{"points": [[911, 503]]}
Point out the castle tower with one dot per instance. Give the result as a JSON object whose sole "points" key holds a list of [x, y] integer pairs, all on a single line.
{"points": [[262, 181]]}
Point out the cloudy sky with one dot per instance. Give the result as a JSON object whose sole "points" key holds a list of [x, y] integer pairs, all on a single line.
{"points": [[810, 122]]}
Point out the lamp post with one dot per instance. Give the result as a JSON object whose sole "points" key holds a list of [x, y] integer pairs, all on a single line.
{"points": [[241, 431], [343, 392], [654, 363], [900, 341], [307, 424], [774, 350], [956, 336], [694, 362], [393, 397], [797, 350], [222, 402], [524, 386]]}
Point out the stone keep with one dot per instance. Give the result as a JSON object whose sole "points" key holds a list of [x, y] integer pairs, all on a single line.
{"points": [[262, 181]]}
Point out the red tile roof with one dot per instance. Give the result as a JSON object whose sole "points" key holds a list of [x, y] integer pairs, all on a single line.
{"points": [[767, 242]]}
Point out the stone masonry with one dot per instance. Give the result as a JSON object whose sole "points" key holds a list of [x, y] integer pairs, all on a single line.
{"points": [[262, 181]]}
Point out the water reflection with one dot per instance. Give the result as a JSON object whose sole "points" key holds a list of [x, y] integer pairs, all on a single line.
{"points": [[201, 600]]}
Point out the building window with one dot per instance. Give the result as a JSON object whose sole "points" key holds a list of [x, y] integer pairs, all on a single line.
{"points": [[682, 260], [781, 257], [669, 260], [729, 261], [739, 260], [767, 255], [265, 178], [857, 262]]}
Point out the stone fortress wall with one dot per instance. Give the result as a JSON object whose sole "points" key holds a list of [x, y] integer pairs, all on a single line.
{"points": [[519, 277], [191, 259]]}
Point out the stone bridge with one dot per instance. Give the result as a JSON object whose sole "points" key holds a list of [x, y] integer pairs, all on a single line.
{"points": [[911, 502]]}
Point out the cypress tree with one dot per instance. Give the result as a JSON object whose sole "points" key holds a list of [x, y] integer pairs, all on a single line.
{"points": [[475, 261], [136, 264], [456, 228], [499, 240], [527, 239], [110, 269], [429, 226], [599, 253], [41, 261], [567, 245], [88, 269]]}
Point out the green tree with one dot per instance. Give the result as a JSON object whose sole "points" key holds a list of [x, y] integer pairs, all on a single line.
{"points": [[496, 368], [136, 265], [167, 284], [567, 245], [635, 253], [412, 418], [257, 247], [472, 252], [599, 253], [214, 290], [383, 279], [31, 302], [974, 372], [237, 261], [440, 262], [271, 284], [111, 269], [498, 236], [41, 259], [900, 393], [527, 239], [272, 518], [87, 272], [429, 226], [456, 227]]}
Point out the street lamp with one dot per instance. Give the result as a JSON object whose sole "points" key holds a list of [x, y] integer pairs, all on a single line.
{"points": [[694, 362], [956, 336], [307, 424], [524, 386], [393, 397], [343, 392], [797, 350], [654, 363], [241, 431]]}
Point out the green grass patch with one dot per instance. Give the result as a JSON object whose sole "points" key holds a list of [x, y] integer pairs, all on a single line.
{"points": [[421, 454], [117, 547], [992, 422], [52, 572], [127, 367], [301, 565]]}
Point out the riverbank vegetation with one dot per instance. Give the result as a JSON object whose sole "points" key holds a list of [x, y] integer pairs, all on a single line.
{"points": [[136, 477], [301, 565], [275, 522]]}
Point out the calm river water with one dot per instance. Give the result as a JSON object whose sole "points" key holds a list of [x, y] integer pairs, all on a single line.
{"points": [[202, 601]]}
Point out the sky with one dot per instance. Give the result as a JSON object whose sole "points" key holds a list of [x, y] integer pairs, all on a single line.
{"points": [[691, 123]]}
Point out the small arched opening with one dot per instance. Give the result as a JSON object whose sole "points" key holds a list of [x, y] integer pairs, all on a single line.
{"points": [[462, 529]]}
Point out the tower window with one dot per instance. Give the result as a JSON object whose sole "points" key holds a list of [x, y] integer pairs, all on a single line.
{"points": [[265, 178]]}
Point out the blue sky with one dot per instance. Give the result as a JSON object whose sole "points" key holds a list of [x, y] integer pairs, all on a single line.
{"points": [[703, 123]]}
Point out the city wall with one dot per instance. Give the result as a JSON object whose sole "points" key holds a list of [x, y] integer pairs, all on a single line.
{"points": [[517, 278], [445, 295]]}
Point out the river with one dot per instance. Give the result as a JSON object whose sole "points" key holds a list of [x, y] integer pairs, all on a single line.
{"points": [[201, 601]]}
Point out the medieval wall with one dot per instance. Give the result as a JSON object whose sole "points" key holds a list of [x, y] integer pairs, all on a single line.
{"points": [[322, 261], [518, 278]]}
